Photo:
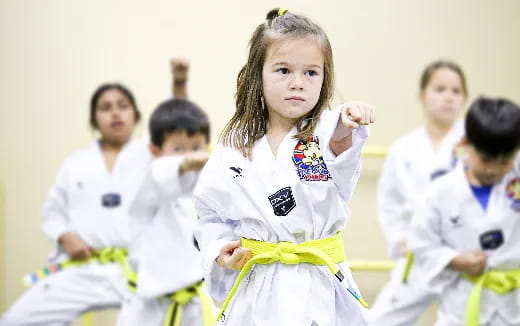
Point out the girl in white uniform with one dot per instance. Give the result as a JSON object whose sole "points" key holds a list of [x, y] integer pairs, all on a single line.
{"points": [[412, 163], [162, 221], [466, 232], [85, 215], [272, 198]]}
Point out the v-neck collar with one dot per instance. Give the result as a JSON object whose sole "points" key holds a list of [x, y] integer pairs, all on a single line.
{"points": [[281, 150], [117, 161]]}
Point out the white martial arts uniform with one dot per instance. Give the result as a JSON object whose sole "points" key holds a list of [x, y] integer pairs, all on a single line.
{"points": [[162, 248], [410, 167], [451, 221], [91, 201], [293, 196]]}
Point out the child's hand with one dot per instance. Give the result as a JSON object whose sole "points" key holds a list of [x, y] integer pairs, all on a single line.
{"points": [[75, 247], [355, 113], [194, 161], [180, 68], [232, 256], [472, 262]]}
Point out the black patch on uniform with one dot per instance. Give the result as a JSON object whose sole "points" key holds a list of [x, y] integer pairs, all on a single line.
{"points": [[238, 172], [282, 201], [491, 240], [111, 200], [437, 174]]}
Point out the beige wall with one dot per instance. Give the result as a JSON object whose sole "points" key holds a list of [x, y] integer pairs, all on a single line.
{"points": [[54, 53]]}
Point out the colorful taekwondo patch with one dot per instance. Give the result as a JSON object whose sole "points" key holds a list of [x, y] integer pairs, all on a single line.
{"points": [[513, 192], [309, 161]]}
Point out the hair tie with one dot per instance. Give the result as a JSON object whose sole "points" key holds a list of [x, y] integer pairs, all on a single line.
{"points": [[282, 11]]}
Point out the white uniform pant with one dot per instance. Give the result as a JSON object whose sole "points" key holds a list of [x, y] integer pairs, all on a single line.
{"points": [[61, 298], [151, 312], [401, 304]]}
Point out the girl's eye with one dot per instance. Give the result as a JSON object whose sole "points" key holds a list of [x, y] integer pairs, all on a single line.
{"points": [[179, 149], [284, 71], [439, 89], [104, 107], [312, 73], [124, 105], [457, 91]]}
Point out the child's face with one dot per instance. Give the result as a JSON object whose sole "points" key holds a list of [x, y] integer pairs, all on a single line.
{"points": [[292, 77], [443, 97], [180, 143], [115, 116], [486, 170]]}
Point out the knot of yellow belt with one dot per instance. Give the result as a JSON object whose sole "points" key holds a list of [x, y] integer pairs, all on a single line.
{"points": [[498, 281], [182, 297], [326, 252]]}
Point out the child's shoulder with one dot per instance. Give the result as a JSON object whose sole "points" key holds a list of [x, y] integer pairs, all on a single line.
{"points": [[448, 185], [84, 154]]}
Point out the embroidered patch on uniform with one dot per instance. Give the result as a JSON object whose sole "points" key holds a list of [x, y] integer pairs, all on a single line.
{"points": [[491, 239], [111, 200], [309, 162], [513, 192], [238, 172], [282, 201]]}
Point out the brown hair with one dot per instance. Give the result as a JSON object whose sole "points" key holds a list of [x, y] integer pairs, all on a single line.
{"points": [[439, 64], [248, 124]]}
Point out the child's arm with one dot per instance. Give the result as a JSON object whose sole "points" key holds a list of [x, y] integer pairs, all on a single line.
{"points": [[352, 115], [215, 230], [218, 242], [426, 240], [180, 68], [472, 262], [171, 174], [392, 207], [55, 223], [345, 144]]}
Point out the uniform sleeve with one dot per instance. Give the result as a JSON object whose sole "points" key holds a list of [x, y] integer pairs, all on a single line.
{"points": [[432, 255], [214, 229], [143, 208], [393, 214], [163, 182], [165, 173], [346, 167], [55, 209]]}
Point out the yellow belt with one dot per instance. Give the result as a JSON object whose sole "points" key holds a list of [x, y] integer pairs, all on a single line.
{"points": [[407, 267], [103, 256], [181, 297], [326, 252], [500, 282]]}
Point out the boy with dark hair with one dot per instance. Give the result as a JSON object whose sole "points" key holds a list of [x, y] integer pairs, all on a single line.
{"points": [[169, 287], [466, 234]]}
